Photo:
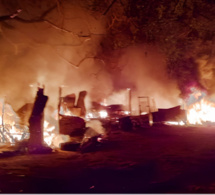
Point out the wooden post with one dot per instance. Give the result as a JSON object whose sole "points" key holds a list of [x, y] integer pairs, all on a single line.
{"points": [[129, 100], [58, 107], [2, 120]]}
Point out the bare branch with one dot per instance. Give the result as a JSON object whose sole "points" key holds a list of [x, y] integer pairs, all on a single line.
{"points": [[39, 19], [9, 41], [60, 12], [107, 10], [11, 16], [80, 62], [114, 18], [97, 73], [68, 31]]}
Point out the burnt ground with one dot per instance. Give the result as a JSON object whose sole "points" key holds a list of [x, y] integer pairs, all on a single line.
{"points": [[164, 159]]}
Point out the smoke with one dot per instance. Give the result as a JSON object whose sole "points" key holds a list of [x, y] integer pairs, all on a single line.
{"points": [[60, 138], [44, 53], [206, 65], [60, 52], [143, 69], [94, 128]]}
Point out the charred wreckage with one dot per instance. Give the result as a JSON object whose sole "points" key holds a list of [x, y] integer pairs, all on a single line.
{"points": [[79, 129]]}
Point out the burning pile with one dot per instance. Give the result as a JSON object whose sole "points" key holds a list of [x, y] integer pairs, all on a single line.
{"points": [[77, 126], [28, 124], [10, 129], [200, 109], [14, 126]]}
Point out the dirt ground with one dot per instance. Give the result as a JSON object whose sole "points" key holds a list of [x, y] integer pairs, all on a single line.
{"points": [[165, 159]]}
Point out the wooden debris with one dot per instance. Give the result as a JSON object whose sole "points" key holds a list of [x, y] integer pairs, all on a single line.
{"points": [[68, 102], [125, 123], [81, 104], [170, 114], [72, 125], [70, 146], [24, 113]]}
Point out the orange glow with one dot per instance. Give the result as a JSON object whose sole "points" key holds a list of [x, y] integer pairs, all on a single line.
{"points": [[103, 114], [202, 111], [181, 123], [48, 133]]}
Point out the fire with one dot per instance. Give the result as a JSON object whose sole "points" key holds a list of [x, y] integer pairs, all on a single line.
{"points": [[65, 111], [201, 111], [51, 137], [180, 123], [11, 131], [103, 114], [48, 133]]}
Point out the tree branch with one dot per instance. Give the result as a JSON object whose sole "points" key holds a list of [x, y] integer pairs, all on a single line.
{"points": [[39, 19], [11, 16], [8, 40], [107, 10]]}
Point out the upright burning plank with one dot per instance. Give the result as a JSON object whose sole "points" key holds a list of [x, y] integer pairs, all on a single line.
{"points": [[36, 121]]}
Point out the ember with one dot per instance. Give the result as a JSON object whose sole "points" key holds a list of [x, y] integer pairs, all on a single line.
{"points": [[103, 114]]}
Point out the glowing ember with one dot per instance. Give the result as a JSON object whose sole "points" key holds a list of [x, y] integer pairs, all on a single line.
{"points": [[126, 112], [104, 103], [89, 115], [65, 112], [95, 115], [181, 123], [143, 113], [103, 114]]}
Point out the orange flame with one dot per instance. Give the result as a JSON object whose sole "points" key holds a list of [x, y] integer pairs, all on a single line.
{"points": [[200, 112]]}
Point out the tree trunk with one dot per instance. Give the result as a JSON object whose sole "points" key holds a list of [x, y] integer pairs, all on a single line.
{"points": [[36, 121]]}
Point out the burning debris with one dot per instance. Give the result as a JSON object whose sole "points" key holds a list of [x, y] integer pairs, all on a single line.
{"points": [[71, 116], [11, 130], [94, 138], [72, 123], [101, 111], [40, 135], [171, 115], [77, 129], [200, 108]]}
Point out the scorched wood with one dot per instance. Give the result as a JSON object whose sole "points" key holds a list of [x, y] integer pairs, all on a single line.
{"points": [[81, 104], [24, 113], [36, 121], [72, 125], [170, 114]]}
